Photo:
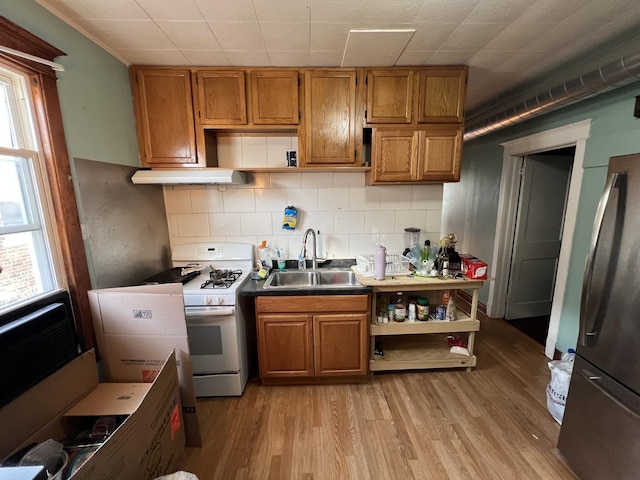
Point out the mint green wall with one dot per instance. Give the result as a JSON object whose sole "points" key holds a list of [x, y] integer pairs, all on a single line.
{"points": [[614, 131], [95, 96]]}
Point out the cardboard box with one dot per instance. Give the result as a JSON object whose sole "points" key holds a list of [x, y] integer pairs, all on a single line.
{"points": [[148, 443], [474, 268], [135, 327]]}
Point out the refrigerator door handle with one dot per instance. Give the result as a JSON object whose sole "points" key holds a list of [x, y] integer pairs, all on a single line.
{"points": [[595, 380], [587, 325]]}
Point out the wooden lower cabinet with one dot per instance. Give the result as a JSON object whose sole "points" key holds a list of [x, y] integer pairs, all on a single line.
{"points": [[312, 337]]}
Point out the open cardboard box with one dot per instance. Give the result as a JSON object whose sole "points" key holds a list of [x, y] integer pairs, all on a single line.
{"points": [[135, 327], [147, 443]]}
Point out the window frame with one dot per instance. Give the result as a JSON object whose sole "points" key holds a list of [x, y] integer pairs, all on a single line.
{"points": [[41, 80]]}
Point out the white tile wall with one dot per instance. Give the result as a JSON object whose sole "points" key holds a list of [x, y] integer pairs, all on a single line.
{"points": [[351, 216]]}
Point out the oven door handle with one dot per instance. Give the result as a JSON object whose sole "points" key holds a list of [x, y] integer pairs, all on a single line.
{"points": [[209, 311]]}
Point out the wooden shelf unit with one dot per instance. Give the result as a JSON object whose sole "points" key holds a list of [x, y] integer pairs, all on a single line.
{"points": [[422, 344]]}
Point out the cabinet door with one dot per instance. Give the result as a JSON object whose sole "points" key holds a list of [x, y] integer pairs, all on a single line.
{"points": [[222, 97], [285, 345], [389, 96], [164, 117], [394, 155], [330, 116], [442, 95], [274, 97], [439, 155], [340, 343]]}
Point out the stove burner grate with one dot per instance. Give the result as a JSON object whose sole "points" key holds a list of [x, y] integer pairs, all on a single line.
{"points": [[221, 278]]}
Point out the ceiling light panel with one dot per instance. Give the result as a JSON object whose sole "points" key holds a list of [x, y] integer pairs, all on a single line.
{"points": [[375, 48]]}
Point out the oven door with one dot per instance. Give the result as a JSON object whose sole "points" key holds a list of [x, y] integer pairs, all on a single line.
{"points": [[213, 339]]}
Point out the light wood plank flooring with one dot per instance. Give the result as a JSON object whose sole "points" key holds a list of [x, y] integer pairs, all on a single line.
{"points": [[491, 423]]}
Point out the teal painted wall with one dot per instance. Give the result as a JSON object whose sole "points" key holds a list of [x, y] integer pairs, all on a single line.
{"points": [[94, 90], [614, 131]]}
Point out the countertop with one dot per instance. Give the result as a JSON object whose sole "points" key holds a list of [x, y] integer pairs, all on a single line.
{"points": [[254, 288], [404, 281]]}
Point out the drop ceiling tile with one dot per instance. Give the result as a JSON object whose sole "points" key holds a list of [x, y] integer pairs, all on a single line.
{"points": [[550, 12], [429, 37], [227, 10], [490, 11], [238, 35], [325, 59], [471, 36], [328, 36], [338, 11], [415, 57], [445, 11], [282, 10], [374, 48], [513, 37], [153, 57], [490, 59], [133, 34], [289, 59], [391, 11], [285, 36], [248, 58], [171, 10], [105, 10], [189, 34], [206, 57], [456, 57]]}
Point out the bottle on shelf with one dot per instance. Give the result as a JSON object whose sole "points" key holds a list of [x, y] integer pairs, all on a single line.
{"points": [[400, 305], [380, 262], [443, 262], [426, 250]]}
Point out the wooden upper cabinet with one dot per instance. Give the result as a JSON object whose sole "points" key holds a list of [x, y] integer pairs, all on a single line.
{"points": [[396, 156], [330, 117], [164, 116], [428, 155], [274, 97], [222, 98], [389, 96], [442, 95], [440, 152]]}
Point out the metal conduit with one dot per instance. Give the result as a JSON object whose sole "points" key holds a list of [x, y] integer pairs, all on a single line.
{"points": [[608, 77]]}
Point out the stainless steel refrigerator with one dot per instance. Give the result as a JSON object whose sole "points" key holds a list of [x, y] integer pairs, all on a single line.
{"points": [[600, 434]]}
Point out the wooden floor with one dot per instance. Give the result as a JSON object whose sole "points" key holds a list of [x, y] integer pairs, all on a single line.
{"points": [[491, 423]]}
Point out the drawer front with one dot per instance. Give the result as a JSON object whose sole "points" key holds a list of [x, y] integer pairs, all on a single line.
{"points": [[313, 304]]}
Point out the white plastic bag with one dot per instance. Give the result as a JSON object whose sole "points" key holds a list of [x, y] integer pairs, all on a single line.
{"points": [[558, 387]]}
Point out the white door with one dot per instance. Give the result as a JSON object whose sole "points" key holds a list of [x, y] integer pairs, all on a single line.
{"points": [[544, 186]]}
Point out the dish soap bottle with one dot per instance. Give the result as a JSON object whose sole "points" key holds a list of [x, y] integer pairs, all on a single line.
{"points": [[380, 262], [400, 305]]}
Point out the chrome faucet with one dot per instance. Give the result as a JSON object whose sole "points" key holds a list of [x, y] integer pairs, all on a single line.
{"points": [[303, 253]]}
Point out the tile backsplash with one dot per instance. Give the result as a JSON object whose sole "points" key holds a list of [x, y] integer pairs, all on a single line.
{"points": [[352, 218]]}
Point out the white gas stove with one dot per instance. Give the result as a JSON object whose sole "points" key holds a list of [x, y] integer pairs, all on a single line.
{"points": [[215, 322]]}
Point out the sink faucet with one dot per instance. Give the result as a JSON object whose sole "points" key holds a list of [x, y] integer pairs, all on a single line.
{"points": [[314, 258]]}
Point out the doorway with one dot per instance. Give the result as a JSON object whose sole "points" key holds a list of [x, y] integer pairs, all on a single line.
{"points": [[575, 134], [542, 200]]}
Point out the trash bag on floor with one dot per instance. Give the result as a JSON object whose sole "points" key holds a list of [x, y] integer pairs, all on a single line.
{"points": [[558, 387], [178, 476]]}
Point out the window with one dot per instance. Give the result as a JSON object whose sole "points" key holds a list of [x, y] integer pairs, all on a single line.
{"points": [[29, 254]]}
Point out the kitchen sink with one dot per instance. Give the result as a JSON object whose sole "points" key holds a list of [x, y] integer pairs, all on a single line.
{"points": [[312, 279]]}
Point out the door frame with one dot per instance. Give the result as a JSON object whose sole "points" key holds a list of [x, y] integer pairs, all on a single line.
{"points": [[575, 134]]}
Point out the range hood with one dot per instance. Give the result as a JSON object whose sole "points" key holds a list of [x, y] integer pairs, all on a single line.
{"points": [[188, 176]]}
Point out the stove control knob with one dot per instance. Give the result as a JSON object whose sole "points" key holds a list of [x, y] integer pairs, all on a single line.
{"points": [[214, 300]]}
